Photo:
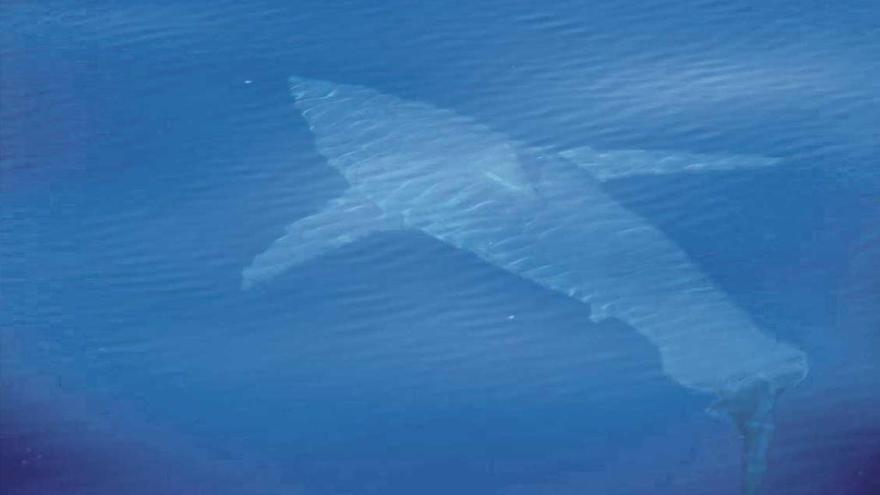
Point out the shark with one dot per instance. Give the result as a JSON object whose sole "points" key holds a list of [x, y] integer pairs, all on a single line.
{"points": [[544, 216]]}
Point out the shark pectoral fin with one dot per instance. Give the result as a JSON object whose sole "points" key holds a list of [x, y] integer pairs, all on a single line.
{"points": [[344, 220], [617, 164]]}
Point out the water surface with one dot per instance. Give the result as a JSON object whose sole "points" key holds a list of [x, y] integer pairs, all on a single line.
{"points": [[150, 151]]}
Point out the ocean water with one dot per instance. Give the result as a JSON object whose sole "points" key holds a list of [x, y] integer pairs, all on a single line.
{"points": [[150, 150]]}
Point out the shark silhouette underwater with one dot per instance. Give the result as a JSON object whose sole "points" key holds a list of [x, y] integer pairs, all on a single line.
{"points": [[544, 217]]}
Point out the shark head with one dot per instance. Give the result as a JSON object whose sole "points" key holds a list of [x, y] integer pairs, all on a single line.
{"points": [[371, 136]]}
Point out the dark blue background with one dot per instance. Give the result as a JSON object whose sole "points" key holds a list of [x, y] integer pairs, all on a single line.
{"points": [[150, 150]]}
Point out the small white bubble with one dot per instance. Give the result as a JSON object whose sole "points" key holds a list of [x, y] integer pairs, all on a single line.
{"points": [[247, 81], [511, 317]]}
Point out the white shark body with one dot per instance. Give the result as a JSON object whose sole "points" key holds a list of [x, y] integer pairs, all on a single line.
{"points": [[545, 218]]}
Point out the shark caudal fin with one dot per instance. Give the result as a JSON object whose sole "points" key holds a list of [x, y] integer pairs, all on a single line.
{"points": [[751, 403], [752, 412]]}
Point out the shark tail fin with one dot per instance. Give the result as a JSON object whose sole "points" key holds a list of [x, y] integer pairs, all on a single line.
{"points": [[751, 410], [751, 405]]}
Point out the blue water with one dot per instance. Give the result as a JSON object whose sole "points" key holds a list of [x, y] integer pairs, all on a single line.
{"points": [[151, 149]]}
